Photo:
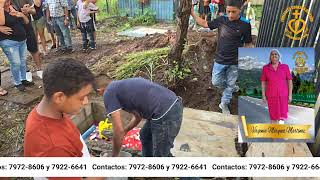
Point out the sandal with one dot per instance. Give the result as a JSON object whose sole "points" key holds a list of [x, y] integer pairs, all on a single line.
{"points": [[3, 92]]}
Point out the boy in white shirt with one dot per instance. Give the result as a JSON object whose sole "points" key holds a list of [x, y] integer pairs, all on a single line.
{"points": [[85, 23]]}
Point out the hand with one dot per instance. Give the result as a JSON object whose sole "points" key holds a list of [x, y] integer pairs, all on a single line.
{"points": [[100, 90], [66, 22], [17, 14], [290, 98], [264, 99], [78, 25], [5, 30]]}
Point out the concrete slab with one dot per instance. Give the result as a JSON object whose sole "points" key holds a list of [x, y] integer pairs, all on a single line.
{"points": [[207, 134], [32, 94], [140, 31], [4, 69]]}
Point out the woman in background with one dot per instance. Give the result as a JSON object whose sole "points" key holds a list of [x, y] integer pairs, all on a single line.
{"points": [[276, 83]]}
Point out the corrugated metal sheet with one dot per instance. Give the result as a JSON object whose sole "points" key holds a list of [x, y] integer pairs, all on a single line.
{"points": [[164, 9]]}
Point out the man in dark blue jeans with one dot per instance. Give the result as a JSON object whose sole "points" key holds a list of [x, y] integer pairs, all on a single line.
{"points": [[145, 100]]}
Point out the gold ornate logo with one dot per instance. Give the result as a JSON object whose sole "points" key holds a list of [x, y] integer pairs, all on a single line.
{"points": [[300, 57], [296, 28]]}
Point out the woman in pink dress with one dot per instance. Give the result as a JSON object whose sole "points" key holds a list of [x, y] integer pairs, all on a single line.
{"points": [[276, 83]]}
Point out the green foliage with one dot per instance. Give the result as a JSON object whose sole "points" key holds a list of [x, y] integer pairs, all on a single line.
{"points": [[306, 88], [147, 18], [107, 8], [177, 72], [258, 11], [136, 62]]}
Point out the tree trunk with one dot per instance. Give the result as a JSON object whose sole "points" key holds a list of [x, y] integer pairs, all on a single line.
{"points": [[183, 11]]}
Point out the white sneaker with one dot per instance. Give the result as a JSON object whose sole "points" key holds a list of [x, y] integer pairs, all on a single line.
{"points": [[224, 108], [29, 76], [39, 74]]}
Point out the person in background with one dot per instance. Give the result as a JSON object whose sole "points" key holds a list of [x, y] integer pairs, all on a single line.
{"points": [[221, 7], [7, 31], [50, 29], [27, 8], [233, 32], [57, 14], [94, 17], [13, 43], [86, 24], [72, 12], [38, 24], [276, 84]]}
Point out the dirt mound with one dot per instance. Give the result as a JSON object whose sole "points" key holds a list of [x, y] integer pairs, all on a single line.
{"points": [[197, 91], [148, 42]]}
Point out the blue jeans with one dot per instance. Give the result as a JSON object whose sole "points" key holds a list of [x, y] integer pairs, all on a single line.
{"points": [[16, 54], [62, 31], [73, 11], [87, 29], [225, 77], [157, 136]]}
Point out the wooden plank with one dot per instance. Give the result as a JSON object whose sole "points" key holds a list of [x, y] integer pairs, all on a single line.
{"points": [[278, 150], [207, 134]]}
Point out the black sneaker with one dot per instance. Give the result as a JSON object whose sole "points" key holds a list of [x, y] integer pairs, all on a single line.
{"points": [[27, 83], [69, 50], [20, 87]]}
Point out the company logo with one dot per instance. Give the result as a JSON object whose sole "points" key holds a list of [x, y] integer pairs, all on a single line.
{"points": [[300, 58], [296, 28]]}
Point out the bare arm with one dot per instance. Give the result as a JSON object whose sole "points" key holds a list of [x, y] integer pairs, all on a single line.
{"points": [[118, 133], [199, 21], [290, 86], [2, 17], [136, 119], [263, 89], [94, 178]]}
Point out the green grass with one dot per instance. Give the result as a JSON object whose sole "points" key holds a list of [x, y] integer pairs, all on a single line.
{"points": [[137, 61], [258, 11]]}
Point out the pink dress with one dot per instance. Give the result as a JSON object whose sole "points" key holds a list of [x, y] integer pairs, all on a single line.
{"points": [[277, 90]]}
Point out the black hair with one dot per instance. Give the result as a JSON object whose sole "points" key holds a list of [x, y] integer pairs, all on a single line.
{"points": [[66, 75], [234, 3]]}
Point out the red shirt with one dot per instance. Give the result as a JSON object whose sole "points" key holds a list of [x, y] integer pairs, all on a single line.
{"points": [[47, 137], [277, 80]]}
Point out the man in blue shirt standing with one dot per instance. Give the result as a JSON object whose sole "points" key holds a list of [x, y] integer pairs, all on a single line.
{"points": [[234, 31], [144, 99]]}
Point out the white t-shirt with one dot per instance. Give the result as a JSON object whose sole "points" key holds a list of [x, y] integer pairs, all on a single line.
{"points": [[84, 13]]}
